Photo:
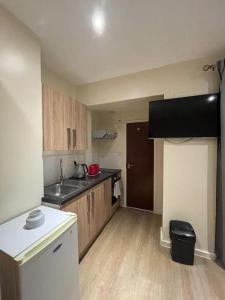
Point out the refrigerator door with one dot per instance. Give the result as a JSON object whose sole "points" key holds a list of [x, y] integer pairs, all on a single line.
{"points": [[52, 274]]}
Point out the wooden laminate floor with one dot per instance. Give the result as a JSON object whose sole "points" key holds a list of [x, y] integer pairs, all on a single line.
{"points": [[127, 262]]}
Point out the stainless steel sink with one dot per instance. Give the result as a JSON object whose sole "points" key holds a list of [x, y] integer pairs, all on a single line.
{"points": [[60, 190], [78, 183]]}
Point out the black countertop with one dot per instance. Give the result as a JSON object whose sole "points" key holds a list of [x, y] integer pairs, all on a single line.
{"points": [[92, 181]]}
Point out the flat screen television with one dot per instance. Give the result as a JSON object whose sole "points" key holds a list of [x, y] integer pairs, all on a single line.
{"points": [[186, 117]]}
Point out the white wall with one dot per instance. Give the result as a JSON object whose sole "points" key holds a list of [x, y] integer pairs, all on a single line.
{"points": [[177, 80], [190, 188], [52, 169], [21, 169], [57, 82]]}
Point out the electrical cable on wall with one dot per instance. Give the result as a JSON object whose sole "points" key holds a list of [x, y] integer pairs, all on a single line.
{"points": [[179, 142]]}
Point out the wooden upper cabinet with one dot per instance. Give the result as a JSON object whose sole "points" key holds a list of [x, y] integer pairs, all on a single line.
{"points": [[68, 104], [48, 116], [53, 119], [81, 126], [64, 122]]}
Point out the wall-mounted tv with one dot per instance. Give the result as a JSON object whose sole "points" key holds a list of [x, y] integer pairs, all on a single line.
{"points": [[186, 117]]}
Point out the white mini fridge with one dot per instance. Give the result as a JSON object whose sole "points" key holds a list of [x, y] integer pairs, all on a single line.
{"points": [[40, 263]]}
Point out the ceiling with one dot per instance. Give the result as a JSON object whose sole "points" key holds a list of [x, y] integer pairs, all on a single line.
{"points": [[139, 35]]}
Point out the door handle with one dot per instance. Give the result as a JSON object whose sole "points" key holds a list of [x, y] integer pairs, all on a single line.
{"points": [[129, 166]]}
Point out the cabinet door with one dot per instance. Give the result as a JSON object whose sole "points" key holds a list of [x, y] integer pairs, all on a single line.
{"points": [[74, 124], [58, 120], [81, 207], [98, 211], [81, 126], [53, 119], [68, 124], [48, 128]]}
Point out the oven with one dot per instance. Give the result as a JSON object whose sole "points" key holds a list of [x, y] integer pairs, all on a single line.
{"points": [[116, 187], [116, 184]]}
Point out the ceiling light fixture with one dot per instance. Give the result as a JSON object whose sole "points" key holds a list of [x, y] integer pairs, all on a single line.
{"points": [[98, 21]]}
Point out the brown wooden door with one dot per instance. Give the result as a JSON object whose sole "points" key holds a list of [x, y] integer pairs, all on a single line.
{"points": [[140, 166]]}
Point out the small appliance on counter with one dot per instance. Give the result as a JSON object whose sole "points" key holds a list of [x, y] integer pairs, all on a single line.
{"points": [[93, 170], [80, 170]]}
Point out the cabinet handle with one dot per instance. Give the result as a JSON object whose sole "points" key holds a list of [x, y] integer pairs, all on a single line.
{"points": [[89, 207], [57, 248], [68, 138], [93, 202], [71, 138], [74, 138]]}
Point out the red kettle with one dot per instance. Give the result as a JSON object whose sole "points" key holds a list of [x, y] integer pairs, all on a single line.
{"points": [[93, 169]]}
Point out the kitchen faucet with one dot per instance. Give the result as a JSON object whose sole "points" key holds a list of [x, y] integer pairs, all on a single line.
{"points": [[61, 170]]}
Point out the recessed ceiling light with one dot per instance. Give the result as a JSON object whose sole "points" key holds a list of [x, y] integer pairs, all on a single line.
{"points": [[98, 21]]}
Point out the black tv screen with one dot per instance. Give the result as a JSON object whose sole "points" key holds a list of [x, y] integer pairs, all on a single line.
{"points": [[196, 116]]}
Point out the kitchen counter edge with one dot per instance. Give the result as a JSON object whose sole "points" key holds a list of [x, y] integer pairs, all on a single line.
{"points": [[98, 179]]}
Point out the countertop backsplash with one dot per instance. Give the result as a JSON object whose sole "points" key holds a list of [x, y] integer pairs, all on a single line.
{"points": [[51, 166]]}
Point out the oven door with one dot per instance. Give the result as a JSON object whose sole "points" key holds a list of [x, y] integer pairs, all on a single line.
{"points": [[116, 190]]}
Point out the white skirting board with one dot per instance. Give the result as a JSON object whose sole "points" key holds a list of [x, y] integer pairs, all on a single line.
{"points": [[198, 252]]}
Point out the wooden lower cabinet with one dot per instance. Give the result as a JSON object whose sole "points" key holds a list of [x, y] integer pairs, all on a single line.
{"points": [[80, 206], [97, 210], [93, 209]]}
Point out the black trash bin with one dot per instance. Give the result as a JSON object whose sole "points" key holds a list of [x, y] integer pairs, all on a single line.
{"points": [[183, 242]]}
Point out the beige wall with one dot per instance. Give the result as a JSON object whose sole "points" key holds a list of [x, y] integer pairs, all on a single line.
{"points": [[180, 79], [112, 153], [190, 188], [21, 171], [56, 81]]}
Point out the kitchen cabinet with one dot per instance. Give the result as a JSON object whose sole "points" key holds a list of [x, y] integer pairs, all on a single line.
{"points": [[81, 208], [93, 209], [80, 126], [53, 135], [98, 216], [68, 117], [64, 122], [101, 206]]}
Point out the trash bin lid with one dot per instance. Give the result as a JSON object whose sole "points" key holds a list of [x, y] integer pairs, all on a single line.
{"points": [[182, 230]]}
